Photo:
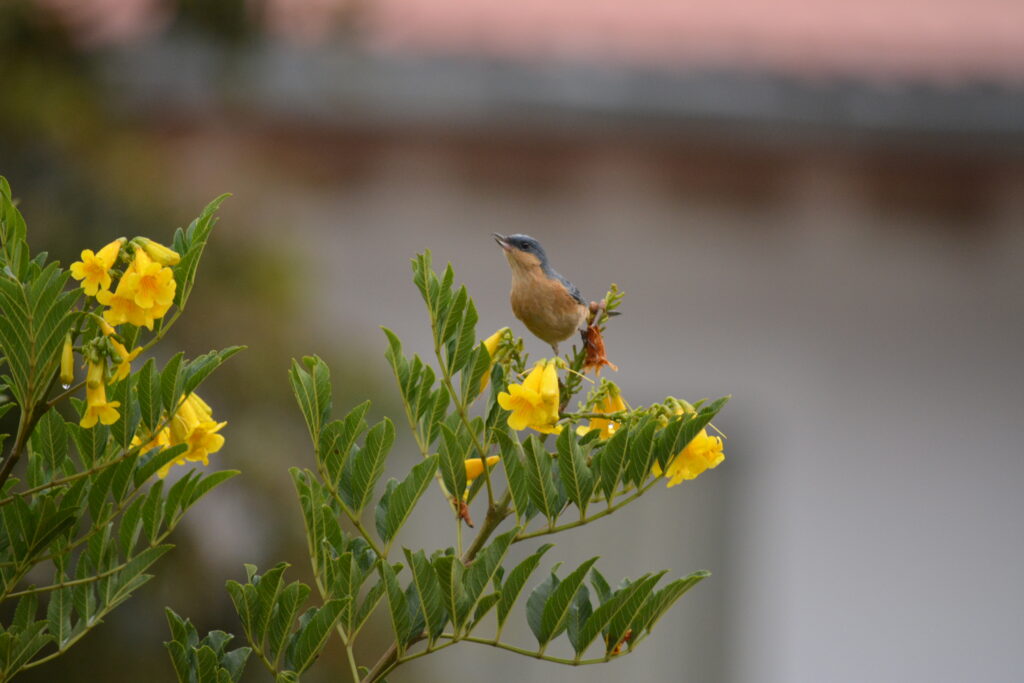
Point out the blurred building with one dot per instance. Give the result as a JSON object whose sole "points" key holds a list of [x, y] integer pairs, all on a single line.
{"points": [[816, 207]]}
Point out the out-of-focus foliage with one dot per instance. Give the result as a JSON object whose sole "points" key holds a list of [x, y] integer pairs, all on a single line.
{"points": [[83, 510]]}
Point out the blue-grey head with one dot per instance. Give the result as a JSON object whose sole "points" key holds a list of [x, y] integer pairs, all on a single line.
{"points": [[523, 250]]}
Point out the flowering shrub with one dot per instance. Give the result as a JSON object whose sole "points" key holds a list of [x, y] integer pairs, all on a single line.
{"points": [[87, 510], [541, 468]]}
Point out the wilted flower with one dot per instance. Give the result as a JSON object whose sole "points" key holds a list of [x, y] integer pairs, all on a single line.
{"points": [[94, 268], [702, 453], [595, 359], [534, 403], [97, 408]]}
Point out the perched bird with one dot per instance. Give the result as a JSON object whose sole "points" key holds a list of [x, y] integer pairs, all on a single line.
{"points": [[549, 305]]}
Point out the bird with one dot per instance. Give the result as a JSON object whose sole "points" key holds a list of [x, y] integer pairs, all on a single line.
{"points": [[550, 306]]}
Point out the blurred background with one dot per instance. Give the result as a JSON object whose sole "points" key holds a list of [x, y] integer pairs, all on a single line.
{"points": [[814, 206]]}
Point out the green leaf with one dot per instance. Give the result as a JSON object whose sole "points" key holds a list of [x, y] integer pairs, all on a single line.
{"points": [[624, 618], [452, 462], [614, 615], [556, 609], [190, 244], [449, 572], [540, 481], [661, 601], [314, 630], [477, 369], [35, 317], [638, 458], [147, 387], [312, 388], [283, 615], [91, 444], [172, 379], [397, 604], [429, 591], [461, 346], [58, 616], [573, 471], [480, 573], [579, 612], [49, 445], [601, 587], [265, 599], [367, 465], [483, 606], [128, 579], [13, 247], [124, 429], [366, 608], [613, 461], [512, 459], [680, 432], [149, 465], [200, 368], [406, 494], [517, 578], [336, 441], [535, 605]]}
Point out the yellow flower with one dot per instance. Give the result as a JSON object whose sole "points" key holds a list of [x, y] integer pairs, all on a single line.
{"points": [[612, 403], [94, 268], [204, 440], [491, 344], [153, 285], [703, 453], [534, 403], [125, 365], [193, 425], [67, 361], [165, 256], [97, 408], [474, 468], [161, 440], [122, 306]]}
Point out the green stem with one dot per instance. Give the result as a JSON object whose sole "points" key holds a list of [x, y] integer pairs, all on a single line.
{"points": [[536, 654], [622, 502], [496, 514], [353, 667], [352, 517]]}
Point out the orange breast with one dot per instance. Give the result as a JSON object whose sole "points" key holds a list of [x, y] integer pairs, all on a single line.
{"points": [[544, 306]]}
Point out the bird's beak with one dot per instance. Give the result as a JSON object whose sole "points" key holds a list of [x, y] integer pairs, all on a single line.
{"points": [[500, 239]]}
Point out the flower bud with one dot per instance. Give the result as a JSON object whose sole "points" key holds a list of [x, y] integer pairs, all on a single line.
{"points": [[67, 362], [165, 256], [474, 467]]}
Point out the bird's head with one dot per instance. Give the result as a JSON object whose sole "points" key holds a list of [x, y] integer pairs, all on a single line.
{"points": [[522, 251]]}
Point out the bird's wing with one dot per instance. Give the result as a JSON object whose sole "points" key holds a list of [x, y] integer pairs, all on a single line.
{"points": [[574, 292]]}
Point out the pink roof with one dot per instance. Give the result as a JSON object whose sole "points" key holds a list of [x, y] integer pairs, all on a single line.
{"points": [[946, 40]]}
